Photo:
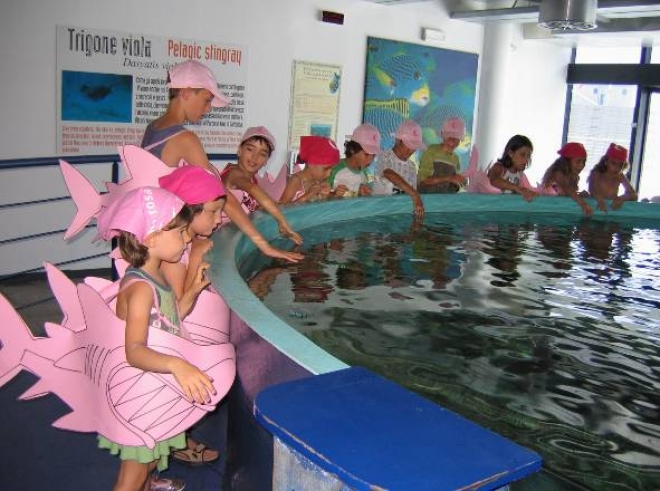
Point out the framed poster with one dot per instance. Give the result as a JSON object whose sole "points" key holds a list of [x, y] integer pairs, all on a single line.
{"points": [[424, 83], [314, 107], [111, 84]]}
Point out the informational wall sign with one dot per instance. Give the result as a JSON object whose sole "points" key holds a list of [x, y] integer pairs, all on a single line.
{"points": [[110, 85], [314, 106]]}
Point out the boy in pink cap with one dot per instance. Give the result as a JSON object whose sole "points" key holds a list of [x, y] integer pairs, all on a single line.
{"points": [[563, 177], [193, 90], [256, 147], [439, 168], [319, 155], [151, 224], [349, 179], [607, 177], [395, 172]]}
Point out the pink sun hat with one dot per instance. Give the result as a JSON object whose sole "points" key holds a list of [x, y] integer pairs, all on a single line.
{"points": [[193, 184], [410, 133], [261, 131], [318, 150], [141, 212], [368, 136], [453, 127], [192, 74]]}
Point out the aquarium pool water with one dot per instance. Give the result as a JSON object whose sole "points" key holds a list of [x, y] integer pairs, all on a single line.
{"points": [[543, 328]]}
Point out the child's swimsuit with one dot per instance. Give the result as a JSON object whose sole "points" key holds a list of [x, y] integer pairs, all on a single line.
{"points": [[154, 140]]}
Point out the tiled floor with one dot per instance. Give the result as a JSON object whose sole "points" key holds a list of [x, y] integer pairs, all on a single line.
{"points": [[36, 456]]}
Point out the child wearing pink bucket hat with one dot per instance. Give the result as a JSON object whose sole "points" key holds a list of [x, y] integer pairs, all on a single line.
{"points": [[563, 177], [439, 167], [607, 177], [254, 151], [395, 172], [319, 155], [349, 178], [151, 224]]}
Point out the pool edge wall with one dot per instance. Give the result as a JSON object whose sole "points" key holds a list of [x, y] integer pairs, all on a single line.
{"points": [[269, 351]]}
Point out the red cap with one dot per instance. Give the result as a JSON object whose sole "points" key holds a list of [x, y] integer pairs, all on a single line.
{"points": [[573, 150], [617, 152], [318, 150]]}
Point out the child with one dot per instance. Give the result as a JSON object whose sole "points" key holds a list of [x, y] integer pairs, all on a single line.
{"points": [[151, 224], [349, 179], [439, 166], [320, 155], [256, 147], [563, 176], [395, 172], [607, 176], [508, 173], [193, 90]]}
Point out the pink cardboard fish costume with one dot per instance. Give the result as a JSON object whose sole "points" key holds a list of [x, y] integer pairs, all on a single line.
{"points": [[83, 362], [208, 322]]}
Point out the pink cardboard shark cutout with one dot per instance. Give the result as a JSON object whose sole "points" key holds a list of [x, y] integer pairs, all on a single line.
{"points": [[208, 322], [83, 362]]}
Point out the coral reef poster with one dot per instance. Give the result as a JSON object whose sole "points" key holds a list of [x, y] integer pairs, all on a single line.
{"points": [[424, 83]]}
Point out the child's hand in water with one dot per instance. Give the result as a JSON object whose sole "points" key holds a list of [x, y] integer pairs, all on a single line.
{"points": [[195, 384], [528, 194], [290, 234]]}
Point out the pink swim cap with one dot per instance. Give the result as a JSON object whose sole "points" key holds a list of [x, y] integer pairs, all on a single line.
{"points": [[318, 150], [141, 212], [193, 184], [617, 152], [573, 150]]}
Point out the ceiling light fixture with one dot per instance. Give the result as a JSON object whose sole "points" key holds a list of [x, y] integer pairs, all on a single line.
{"points": [[579, 15]]}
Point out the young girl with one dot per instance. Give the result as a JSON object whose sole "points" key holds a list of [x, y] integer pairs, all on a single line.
{"points": [[563, 176], [152, 227], [255, 149], [193, 89], [508, 173], [320, 155], [607, 177], [348, 179], [439, 167]]}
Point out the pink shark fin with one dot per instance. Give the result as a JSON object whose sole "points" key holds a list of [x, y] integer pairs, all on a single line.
{"points": [[473, 165], [87, 200], [15, 338], [67, 296], [142, 168], [273, 185]]}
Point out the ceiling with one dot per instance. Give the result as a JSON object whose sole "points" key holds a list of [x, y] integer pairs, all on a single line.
{"points": [[620, 22]]}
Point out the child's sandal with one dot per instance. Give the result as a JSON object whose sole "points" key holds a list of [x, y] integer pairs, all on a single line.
{"points": [[196, 456]]}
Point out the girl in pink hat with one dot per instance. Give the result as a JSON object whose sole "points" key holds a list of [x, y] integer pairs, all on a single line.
{"points": [[151, 225], [607, 177], [319, 155], [193, 91], [563, 176], [256, 147]]}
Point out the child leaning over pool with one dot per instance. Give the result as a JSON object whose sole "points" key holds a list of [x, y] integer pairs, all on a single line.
{"points": [[607, 177], [319, 155], [152, 227], [563, 176], [256, 147], [349, 178], [508, 173]]}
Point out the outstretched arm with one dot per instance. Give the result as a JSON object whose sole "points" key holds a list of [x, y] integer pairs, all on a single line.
{"points": [[400, 182], [569, 190], [496, 180], [629, 194]]}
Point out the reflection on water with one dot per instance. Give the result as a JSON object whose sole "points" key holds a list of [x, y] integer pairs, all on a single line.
{"points": [[546, 331]]}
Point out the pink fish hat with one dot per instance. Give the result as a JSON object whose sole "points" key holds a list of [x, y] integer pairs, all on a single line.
{"points": [[410, 133], [318, 150], [141, 212], [453, 127], [193, 184], [259, 131], [368, 136], [192, 74]]}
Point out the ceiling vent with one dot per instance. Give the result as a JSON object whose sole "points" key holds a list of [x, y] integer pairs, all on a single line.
{"points": [[579, 15]]}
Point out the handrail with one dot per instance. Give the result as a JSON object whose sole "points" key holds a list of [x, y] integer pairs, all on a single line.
{"points": [[82, 159]]}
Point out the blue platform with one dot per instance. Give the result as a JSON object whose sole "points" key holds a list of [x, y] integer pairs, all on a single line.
{"points": [[374, 434]]}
